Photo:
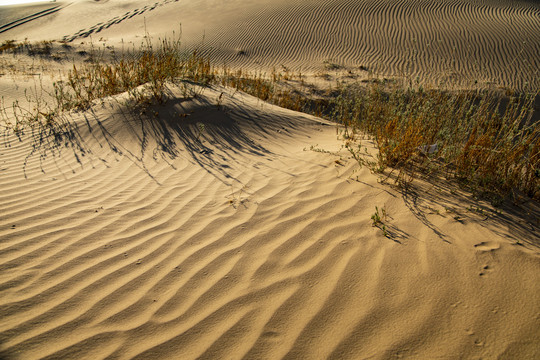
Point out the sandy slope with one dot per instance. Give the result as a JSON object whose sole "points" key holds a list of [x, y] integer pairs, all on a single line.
{"points": [[449, 41], [149, 236]]}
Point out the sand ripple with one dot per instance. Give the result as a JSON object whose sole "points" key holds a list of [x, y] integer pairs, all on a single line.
{"points": [[243, 245], [456, 40]]}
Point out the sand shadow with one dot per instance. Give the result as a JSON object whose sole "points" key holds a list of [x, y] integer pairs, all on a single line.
{"points": [[214, 138], [518, 216]]}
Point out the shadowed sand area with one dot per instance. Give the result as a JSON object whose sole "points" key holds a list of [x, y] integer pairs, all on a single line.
{"points": [[223, 227]]}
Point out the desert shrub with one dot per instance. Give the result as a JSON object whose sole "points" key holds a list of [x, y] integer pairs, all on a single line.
{"points": [[474, 136]]}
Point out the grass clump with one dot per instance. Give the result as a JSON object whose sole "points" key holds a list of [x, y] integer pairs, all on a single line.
{"points": [[141, 72], [149, 66], [8, 46], [489, 142], [377, 219], [42, 48]]}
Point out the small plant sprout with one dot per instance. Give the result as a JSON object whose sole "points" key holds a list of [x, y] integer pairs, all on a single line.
{"points": [[237, 199], [201, 128], [383, 228], [377, 219]]}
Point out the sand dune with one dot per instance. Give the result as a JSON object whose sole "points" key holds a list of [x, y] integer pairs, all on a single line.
{"points": [[461, 41], [150, 237], [222, 227]]}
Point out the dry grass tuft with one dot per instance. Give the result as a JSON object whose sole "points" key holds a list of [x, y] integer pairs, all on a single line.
{"points": [[483, 139]]}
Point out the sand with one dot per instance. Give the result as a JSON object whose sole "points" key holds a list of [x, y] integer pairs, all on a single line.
{"points": [[490, 42], [222, 227]]}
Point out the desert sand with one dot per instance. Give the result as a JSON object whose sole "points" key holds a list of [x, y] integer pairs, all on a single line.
{"points": [[223, 227], [458, 41]]}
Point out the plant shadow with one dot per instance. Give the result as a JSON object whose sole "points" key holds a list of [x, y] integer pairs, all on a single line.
{"points": [[431, 195], [215, 137]]}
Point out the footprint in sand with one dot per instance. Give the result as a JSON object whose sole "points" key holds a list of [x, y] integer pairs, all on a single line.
{"points": [[83, 33], [485, 269], [487, 246]]}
